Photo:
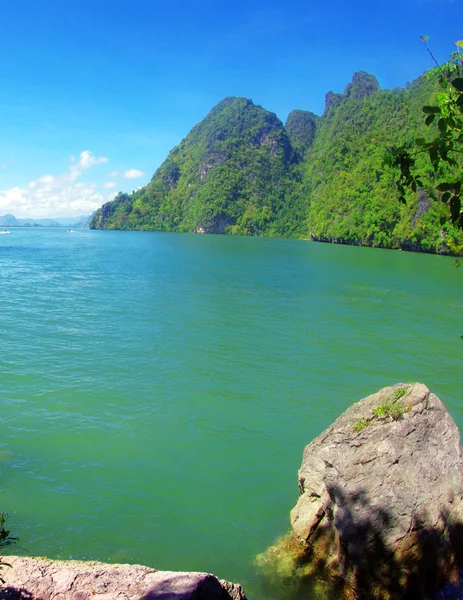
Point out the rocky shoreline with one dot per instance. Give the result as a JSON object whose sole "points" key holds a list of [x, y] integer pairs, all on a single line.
{"points": [[34, 578], [379, 517]]}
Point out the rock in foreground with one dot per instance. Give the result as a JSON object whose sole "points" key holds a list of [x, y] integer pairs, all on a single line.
{"points": [[380, 512], [44, 579]]}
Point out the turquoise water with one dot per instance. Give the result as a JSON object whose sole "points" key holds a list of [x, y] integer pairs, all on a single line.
{"points": [[157, 389]]}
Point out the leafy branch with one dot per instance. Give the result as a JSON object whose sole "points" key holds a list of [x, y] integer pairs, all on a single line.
{"points": [[446, 147]]}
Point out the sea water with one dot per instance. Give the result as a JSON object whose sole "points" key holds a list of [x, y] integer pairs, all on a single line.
{"points": [[157, 390]]}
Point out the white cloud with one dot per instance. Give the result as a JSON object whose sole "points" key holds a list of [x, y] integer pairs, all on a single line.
{"points": [[133, 173], [109, 184], [45, 179], [56, 195], [87, 160]]}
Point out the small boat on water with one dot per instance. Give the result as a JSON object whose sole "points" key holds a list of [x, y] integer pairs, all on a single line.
{"points": [[4, 232]]}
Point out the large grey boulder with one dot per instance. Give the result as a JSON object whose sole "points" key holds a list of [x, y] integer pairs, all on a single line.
{"points": [[44, 579], [380, 510]]}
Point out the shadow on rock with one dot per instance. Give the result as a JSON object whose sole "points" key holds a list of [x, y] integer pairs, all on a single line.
{"points": [[353, 559], [11, 593], [204, 587]]}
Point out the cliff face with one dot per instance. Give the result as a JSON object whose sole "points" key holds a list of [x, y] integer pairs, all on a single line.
{"points": [[231, 174], [240, 171], [43, 579]]}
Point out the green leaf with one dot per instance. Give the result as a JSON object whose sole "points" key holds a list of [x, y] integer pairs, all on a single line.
{"points": [[458, 83], [431, 110], [442, 125], [425, 38], [433, 155], [443, 153], [420, 142], [459, 43], [446, 197], [429, 119], [444, 187], [455, 206]]}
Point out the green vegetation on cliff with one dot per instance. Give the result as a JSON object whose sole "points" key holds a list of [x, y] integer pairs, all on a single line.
{"points": [[353, 197], [240, 171], [233, 173]]}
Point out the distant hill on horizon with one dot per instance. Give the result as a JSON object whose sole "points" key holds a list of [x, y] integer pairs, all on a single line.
{"points": [[75, 222]]}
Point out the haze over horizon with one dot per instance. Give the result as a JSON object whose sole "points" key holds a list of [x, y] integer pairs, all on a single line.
{"points": [[94, 97]]}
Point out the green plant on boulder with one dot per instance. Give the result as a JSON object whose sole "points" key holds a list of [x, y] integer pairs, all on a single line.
{"points": [[391, 408], [400, 392], [359, 425]]}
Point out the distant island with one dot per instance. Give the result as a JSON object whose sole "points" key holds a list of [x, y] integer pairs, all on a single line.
{"points": [[242, 171], [70, 222]]}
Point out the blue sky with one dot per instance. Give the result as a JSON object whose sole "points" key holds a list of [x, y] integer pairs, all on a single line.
{"points": [[94, 94]]}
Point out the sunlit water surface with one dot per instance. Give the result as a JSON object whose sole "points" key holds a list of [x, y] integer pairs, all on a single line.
{"points": [[158, 390]]}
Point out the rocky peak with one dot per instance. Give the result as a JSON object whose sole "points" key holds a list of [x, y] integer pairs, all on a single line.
{"points": [[301, 126], [332, 101], [363, 84]]}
